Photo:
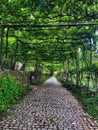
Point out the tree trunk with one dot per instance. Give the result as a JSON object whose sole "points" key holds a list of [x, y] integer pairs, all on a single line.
{"points": [[96, 80], [15, 54], [67, 68], [13, 62], [1, 46], [77, 68], [6, 51], [90, 64]]}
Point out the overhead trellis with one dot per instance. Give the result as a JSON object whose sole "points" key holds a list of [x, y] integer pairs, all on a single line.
{"points": [[47, 25], [36, 27]]}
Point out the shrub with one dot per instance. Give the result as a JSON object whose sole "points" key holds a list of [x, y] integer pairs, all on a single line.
{"points": [[10, 92], [89, 101]]}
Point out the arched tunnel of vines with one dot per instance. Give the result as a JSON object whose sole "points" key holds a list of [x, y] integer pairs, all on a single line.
{"points": [[44, 36]]}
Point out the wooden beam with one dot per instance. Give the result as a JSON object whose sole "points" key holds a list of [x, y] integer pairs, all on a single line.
{"points": [[46, 25]]}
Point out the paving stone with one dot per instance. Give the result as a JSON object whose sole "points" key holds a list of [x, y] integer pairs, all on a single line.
{"points": [[51, 107]]}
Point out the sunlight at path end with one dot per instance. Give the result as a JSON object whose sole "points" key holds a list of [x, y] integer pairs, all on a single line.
{"points": [[52, 80]]}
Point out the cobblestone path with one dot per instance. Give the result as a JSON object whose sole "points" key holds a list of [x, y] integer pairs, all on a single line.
{"points": [[51, 107]]}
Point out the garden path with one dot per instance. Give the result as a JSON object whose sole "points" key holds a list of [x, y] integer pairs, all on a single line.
{"points": [[51, 107]]}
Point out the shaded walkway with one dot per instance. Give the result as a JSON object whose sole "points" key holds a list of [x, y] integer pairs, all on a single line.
{"points": [[50, 108]]}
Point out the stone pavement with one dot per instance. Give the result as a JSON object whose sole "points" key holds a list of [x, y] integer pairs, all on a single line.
{"points": [[51, 107]]}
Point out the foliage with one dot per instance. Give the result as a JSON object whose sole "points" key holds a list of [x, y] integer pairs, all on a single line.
{"points": [[90, 103], [88, 100], [44, 77], [51, 43], [95, 66], [28, 34], [10, 92]]}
